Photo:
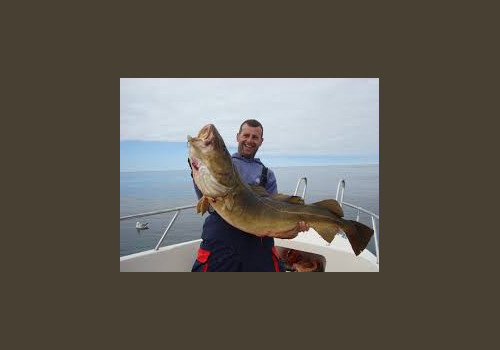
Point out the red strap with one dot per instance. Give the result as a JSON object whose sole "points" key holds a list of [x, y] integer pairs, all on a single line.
{"points": [[275, 259], [275, 252], [203, 255], [205, 268]]}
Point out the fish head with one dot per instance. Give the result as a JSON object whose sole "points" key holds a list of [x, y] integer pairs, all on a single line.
{"points": [[211, 162]]}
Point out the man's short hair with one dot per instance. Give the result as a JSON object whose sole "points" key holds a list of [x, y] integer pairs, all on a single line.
{"points": [[253, 123]]}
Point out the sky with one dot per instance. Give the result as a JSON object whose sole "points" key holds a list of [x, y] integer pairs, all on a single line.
{"points": [[306, 121]]}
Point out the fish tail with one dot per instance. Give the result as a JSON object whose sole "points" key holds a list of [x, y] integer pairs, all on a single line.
{"points": [[358, 235]]}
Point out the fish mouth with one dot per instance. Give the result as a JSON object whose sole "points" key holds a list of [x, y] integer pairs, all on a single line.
{"points": [[207, 132], [208, 136]]}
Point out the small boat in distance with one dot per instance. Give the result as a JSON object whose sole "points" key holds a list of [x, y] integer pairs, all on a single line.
{"points": [[141, 226]]}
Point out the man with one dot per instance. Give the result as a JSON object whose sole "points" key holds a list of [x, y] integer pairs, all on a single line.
{"points": [[226, 248]]}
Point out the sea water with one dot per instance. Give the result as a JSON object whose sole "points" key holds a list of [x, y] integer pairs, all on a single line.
{"points": [[149, 191]]}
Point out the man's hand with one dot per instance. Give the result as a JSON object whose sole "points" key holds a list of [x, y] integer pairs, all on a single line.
{"points": [[301, 227]]}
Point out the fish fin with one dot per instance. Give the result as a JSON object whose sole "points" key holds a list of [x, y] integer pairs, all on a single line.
{"points": [[295, 200], [202, 205], [260, 190], [229, 201], [286, 198], [327, 232], [332, 205], [358, 235]]}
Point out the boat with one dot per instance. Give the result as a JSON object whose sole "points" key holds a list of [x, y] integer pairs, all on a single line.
{"points": [[141, 226], [336, 256]]}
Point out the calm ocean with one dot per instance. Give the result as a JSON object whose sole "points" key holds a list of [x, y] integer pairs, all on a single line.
{"points": [[149, 191]]}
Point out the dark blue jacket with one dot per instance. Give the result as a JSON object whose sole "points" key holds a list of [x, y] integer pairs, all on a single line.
{"points": [[226, 248]]}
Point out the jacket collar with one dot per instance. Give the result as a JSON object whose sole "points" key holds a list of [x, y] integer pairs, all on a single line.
{"points": [[254, 160]]}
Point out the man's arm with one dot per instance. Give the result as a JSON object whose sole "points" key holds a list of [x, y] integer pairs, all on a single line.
{"points": [[301, 227], [271, 186]]}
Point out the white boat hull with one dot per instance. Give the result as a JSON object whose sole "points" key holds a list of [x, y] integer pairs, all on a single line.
{"points": [[338, 256]]}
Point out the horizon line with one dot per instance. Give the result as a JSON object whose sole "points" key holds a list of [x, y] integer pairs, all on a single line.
{"points": [[275, 167]]}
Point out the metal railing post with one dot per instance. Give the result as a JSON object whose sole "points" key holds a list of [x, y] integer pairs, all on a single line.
{"points": [[305, 187], [340, 189], [168, 228]]}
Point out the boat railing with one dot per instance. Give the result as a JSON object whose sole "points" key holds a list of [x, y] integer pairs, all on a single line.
{"points": [[151, 213], [373, 216], [340, 192]]}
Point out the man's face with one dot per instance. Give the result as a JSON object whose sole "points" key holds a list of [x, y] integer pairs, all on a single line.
{"points": [[249, 140]]}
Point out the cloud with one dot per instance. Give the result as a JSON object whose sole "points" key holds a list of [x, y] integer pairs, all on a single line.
{"points": [[300, 116]]}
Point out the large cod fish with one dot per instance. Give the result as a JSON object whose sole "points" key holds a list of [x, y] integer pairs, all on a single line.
{"points": [[251, 209]]}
